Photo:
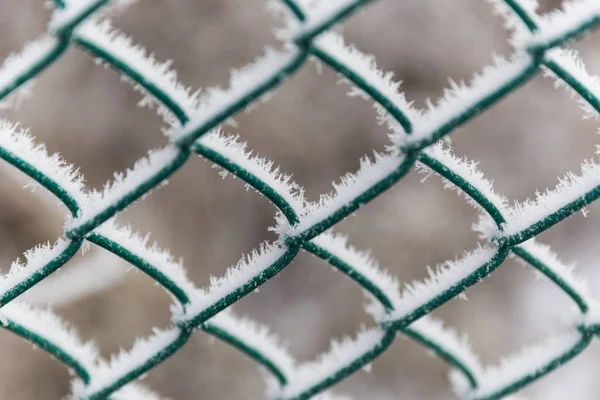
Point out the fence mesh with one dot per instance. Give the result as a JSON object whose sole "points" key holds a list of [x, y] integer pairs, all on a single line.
{"points": [[194, 120]]}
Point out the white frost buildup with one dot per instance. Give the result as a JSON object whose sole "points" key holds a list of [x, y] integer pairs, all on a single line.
{"points": [[106, 374], [443, 278], [362, 263], [35, 259], [236, 151], [351, 187], [241, 83], [62, 17], [558, 23], [449, 339], [460, 96], [155, 73], [248, 268], [527, 361], [512, 21], [569, 60], [592, 316], [74, 9], [17, 65], [159, 258], [124, 183], [468, 171], [20, 144], [257, 337], [50, 327], [570, 188], [340, 355], [365, 66], [564, 271], [323, 11]]}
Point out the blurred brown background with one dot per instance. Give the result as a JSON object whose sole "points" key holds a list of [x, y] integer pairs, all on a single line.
{"points": [[313, 130]]}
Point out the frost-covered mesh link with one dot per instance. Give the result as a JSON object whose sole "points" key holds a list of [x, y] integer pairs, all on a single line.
{"points": [[194, 120]]}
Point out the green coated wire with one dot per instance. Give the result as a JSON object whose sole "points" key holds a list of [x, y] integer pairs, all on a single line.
{"points": [[342, 13], [48, 346], [581, 345], [64, 35], [302, 239]]}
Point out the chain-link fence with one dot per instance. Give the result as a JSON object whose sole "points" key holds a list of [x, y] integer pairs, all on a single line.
{"points": [[194, 121]]}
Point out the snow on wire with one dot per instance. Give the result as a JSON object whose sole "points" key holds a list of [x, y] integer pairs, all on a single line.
{"points": [[193, 119]]}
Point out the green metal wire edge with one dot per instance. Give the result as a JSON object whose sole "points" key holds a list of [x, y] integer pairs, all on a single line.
{"points": [[365, 86], [549, 367], [348, 370], [61, 47], [586, 94], [295, 9], [243, 290], [35, 69], [353, 274], [42, 179], [156, 359], [60, 4], [42, 273], [523, 14], [257, 92], [443, 353], [592, 329], [258, 184], [538, 264], [375, 190], [48, 346], [552, 219], [575, 33], [465, 186], [341, 14], [526, 75], [247, 349], [141, 264], [240, 104], [550, 64], [484, 270], [66, 30], [165, 99], [140, 190]]}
